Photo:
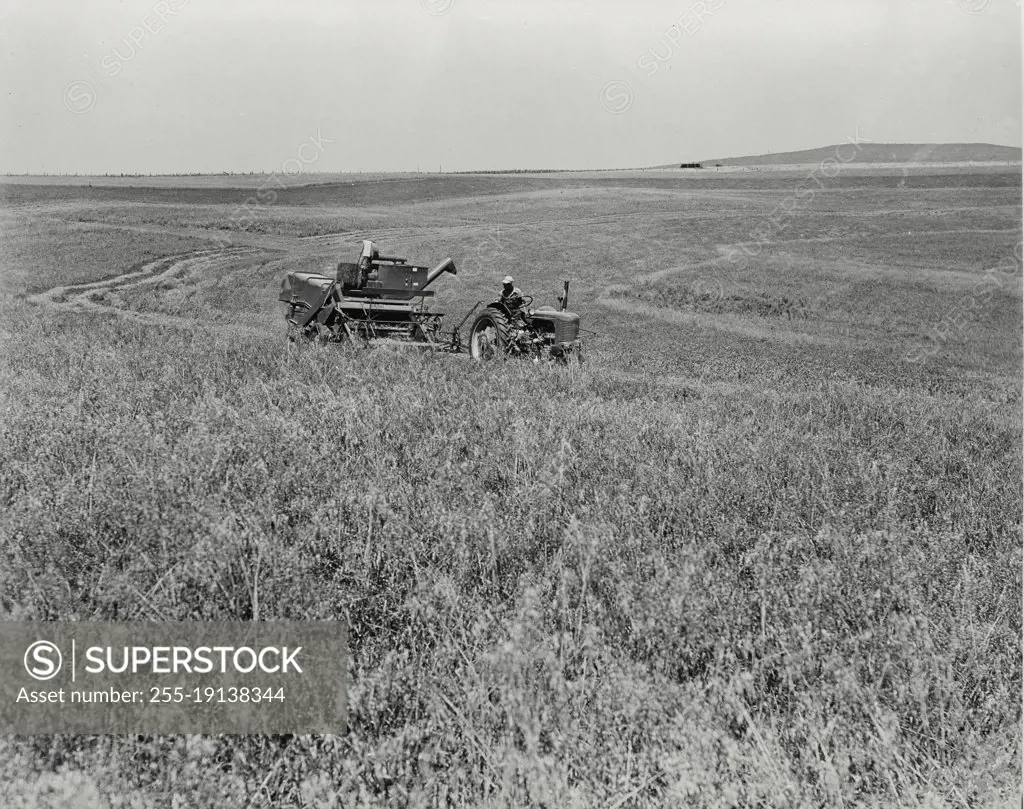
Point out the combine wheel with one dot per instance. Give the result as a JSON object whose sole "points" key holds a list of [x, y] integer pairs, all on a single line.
{"points": [[295, 334], [489, 337], [312, 332]]}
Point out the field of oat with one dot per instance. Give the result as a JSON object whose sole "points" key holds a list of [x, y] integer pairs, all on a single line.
{"points": [[761, 549]]}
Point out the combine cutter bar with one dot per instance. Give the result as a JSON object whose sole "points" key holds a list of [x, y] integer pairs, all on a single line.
{"points": [[390, 341]]}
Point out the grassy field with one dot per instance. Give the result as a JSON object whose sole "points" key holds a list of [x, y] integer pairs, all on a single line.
{"points": [[761, 549]]}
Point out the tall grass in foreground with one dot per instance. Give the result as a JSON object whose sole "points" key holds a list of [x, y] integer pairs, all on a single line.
{"points": [[564, 588]]}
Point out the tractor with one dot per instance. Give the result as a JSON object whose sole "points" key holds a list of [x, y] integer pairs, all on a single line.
{"points": [[500, 330]]}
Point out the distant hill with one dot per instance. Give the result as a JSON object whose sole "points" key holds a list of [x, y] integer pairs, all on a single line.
{"points": [[879, 153]]}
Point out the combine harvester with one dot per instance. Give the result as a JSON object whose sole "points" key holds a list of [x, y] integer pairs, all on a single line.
{"points": [[385, 299]]}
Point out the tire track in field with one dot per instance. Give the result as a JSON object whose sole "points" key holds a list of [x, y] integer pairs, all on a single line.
{"points": [[89, 297], [609, 296], [723, 248], [149, 273]]}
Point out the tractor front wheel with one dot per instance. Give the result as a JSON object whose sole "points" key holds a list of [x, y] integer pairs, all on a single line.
{"points": [[490, 336]]}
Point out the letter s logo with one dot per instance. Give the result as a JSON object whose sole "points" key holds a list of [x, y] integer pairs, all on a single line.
{"points": [[617, 97], [79, 97], [43, 660]]}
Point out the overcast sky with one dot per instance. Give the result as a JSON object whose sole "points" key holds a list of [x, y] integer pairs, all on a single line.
{"points": [[397, 85]]}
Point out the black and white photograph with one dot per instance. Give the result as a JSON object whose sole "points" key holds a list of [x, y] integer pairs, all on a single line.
{"points": [[569, 404]]}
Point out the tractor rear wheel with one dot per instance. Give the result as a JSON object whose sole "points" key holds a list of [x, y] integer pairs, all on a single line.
{"points": [[490, 336]]}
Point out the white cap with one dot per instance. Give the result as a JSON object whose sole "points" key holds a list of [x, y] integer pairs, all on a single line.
{"points": [[508, 280]]}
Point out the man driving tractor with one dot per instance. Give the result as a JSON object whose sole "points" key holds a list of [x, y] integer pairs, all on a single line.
{"points": [[511, 295]]}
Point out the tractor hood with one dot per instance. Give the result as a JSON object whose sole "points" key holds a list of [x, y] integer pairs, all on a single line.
{"points": [[565, 325]]}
